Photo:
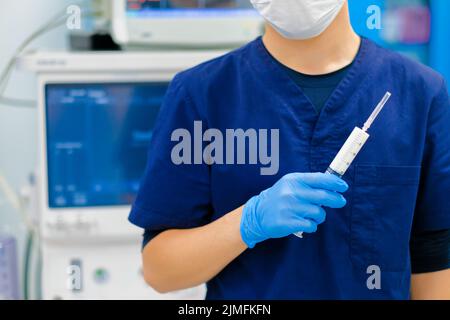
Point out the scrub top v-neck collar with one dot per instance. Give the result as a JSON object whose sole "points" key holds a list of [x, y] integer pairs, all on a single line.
{"points": [[294, 97]]}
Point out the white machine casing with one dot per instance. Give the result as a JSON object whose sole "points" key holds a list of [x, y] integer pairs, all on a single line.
{"points": [[101, 239], [212, 31]]}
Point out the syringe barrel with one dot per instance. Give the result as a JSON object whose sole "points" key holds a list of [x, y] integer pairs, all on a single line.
{"points": [[348, 152]]}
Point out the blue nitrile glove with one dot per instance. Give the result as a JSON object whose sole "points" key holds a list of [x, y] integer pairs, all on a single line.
{"points": [[294, 204]]}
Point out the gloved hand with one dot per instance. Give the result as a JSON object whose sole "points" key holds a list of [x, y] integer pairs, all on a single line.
{"points": [[294, 204]]}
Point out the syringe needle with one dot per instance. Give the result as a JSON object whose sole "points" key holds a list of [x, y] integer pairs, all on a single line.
{"points": [[377, 111]]}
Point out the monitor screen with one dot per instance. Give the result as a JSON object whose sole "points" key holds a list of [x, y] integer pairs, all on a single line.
{"points": [[97, 141], [189, 8]]}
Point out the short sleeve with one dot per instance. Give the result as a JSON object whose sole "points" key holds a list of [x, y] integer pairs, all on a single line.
{"points": [[172, 196], [433, 206]]}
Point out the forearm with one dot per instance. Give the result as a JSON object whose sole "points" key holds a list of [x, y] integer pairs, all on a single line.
{"points": [[431, 286], [178, 259]]}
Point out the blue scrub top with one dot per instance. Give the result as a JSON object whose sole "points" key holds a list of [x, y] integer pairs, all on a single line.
{"points": [[399, 182]]}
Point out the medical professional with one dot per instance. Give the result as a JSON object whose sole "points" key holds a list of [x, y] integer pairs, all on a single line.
{"points": [[381, 232]]}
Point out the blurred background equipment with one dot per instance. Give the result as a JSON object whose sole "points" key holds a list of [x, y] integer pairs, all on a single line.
{"points": [[419, 29], [97, 112], [9, 269], [185, 23]]}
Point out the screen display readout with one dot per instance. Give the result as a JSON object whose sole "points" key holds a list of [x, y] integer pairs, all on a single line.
{"points": [[97, 141]]}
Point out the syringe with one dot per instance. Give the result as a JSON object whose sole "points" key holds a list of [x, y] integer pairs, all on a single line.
{"points": [[353, 145]]}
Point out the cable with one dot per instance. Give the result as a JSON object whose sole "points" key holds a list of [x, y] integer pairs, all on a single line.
{"points": [[15, 201], [10, 195], [6, 75], [27, 264], [53, 23], [31, 230], [14, 102]]}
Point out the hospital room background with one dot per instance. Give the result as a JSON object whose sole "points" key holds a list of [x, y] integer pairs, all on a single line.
{"points": [[57, 241]]}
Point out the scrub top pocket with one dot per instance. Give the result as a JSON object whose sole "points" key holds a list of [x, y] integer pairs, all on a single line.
{"points": [[382, 212]]}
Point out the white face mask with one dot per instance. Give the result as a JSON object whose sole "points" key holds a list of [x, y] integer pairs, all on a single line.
{"points": [[299, 19]]}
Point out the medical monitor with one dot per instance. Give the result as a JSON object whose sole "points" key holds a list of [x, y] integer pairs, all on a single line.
{"points": [[185, 23], [97, 115], [97, 141]]}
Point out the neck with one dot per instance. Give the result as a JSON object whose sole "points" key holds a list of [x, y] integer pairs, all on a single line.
{"points": [[333, 50]]}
